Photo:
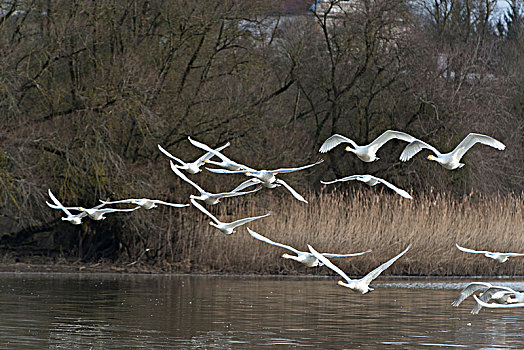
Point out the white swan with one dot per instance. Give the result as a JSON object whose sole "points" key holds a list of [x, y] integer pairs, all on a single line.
{"points": [[496, 305], [146, 203], [266, 176], [360, 285], [366, 153], [371, 181], [73, 219], [93, 213], [500, 257], [225, 161], [227, 228], [500, 295], [193, 167], [207, 197], [305, 258], [450, 160]]}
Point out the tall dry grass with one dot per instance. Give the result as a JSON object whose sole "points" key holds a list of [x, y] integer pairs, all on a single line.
{"points": [[349, 222]]}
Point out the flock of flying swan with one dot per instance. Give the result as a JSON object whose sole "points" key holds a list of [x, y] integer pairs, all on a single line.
{"points": [[501, 296]]}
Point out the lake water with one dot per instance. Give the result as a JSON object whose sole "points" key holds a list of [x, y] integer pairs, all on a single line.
{"points": [[106, 311]]}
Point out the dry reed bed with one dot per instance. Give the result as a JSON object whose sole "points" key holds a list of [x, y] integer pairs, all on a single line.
{"points": [[350, 222]]}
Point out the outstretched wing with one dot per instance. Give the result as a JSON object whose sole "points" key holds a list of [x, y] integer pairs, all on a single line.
{"points": [[467, 250], [327, 255], [376, 272], [289, 170], [118, 202], [291, 190], [268, 241], [184, 177], [468, 290], [514, 254], [472, 139], [347, 178], [497, 306], [204, 210], [171, 156], [394, 188], [169, 204], [246, 184], [57, 203], [414, 147], [226, 171], [234, 194], [328, 263], [246, 220], [216, 152], [335, 140], [208, 155], [389, 135]]}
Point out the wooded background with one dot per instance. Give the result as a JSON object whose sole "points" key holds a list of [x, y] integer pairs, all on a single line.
{"points": [[88, 89]]}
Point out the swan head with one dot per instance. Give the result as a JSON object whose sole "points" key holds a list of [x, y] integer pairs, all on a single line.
{"points": [[343, 284], [431, 157], [349, 149], [286, 256]]}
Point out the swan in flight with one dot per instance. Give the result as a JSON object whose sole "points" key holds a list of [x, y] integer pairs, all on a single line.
{"points": [[360, 285], [496, 305], [366, 153], [95, 213], [227, 228], [146, 203], [305, 258], [225, 163], [371, 181], [73, 219], [450, 160], [500, 257], [266, 176], [207, 197], [193, 167], [500, 295]]}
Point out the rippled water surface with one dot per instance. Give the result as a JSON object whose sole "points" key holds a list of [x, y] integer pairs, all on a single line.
{"points": [[100, 311]]}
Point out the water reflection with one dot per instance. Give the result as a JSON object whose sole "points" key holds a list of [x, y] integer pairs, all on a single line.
{"points": [[68, 311]]}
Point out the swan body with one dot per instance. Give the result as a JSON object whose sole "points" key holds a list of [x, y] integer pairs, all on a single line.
{"points": [[500, 257], [361, 285], [227, 228], [452, 159], [192, 167], [371, 181], [367, 153], [305, 258]]}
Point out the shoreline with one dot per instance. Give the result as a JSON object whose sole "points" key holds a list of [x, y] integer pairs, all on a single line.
{"points": [[112, 269]]}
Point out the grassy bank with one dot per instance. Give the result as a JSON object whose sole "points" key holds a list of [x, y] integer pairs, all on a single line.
{"points": [[340, 223], [181, 240]]}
